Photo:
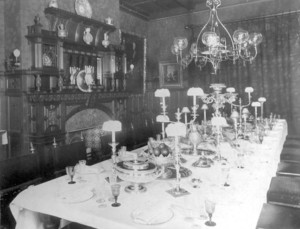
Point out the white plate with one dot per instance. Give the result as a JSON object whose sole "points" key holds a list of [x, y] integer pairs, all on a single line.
{"points": [[144, 217], [76, 196], [83, 8]]}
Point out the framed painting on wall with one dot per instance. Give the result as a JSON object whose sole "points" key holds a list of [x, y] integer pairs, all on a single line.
{"points": [[170, 75]]}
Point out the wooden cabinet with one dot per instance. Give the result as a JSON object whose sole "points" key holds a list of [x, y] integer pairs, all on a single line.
{"points": [[43, 98]]}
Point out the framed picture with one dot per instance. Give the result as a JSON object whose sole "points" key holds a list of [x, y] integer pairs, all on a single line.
{"points": [[170, 75]]}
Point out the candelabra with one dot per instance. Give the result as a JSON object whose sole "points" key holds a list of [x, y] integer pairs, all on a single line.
{"points": [[241, 106], [177, 130], [217, 98]]}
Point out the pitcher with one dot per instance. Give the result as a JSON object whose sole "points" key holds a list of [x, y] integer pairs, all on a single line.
{"points": [[61, 31]]}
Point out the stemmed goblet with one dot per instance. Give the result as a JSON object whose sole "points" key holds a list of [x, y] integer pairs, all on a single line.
{"points": [[210, 208], [71, 172], [115, 189]]}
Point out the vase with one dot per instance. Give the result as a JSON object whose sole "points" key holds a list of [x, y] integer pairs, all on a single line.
{"points": [[194, 137], [87, 36], [53, 3]]}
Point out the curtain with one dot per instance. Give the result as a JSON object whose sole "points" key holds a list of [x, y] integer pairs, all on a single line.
{"points": [[271, 73]]}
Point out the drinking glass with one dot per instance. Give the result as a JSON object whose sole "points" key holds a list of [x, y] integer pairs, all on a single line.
{"points": [[225, 170], [71, 172], [115, 189], [100, 189], [210, 208]]}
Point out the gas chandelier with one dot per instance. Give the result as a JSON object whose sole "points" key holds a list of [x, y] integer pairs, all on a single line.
{"points": [[215, 44]]}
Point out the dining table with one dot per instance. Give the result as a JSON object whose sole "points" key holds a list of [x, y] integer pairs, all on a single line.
{"points": [[88, 201]]}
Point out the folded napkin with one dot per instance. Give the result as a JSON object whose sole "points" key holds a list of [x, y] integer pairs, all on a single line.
{"points": [[152, 213]]}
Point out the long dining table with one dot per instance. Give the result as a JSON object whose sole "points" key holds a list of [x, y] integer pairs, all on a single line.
{"points": [[237, 206]]}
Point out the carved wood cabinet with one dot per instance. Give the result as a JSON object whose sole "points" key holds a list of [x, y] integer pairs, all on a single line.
{"points": [[43, 98]]}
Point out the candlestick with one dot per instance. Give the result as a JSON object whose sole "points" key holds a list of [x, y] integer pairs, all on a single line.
{"points": [[113, 136]]}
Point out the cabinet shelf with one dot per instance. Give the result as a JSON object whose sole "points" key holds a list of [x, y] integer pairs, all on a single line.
{"points": [[75, 26]]}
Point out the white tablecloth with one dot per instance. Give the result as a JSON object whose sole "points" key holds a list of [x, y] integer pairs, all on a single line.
{"points": [[237, 206]]}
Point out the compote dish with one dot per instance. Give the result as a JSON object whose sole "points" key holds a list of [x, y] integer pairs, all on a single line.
{"points": [[137, 171], [160, 152]]}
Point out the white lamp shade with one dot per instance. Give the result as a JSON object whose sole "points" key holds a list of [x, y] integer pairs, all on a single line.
{"points": [[185, 110], [176, 129], [245, 111], [162, 93], [262, 99], [255, 104], [204, 107], [230, 90], [235, 114], [249, 89], [112, 126], [162, 118], [195, 91]]}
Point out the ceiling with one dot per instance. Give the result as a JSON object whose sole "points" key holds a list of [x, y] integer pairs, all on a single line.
{"points": [[154, 9]]}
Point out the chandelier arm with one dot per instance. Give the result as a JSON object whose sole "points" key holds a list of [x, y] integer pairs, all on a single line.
{"points": [[251, 57], [201, 31], [231, 40]]}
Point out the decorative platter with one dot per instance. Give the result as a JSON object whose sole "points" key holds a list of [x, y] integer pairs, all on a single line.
{"points": [[80, 80], [46, 60], [83, 8]]}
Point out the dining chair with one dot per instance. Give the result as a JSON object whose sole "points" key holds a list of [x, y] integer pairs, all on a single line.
{"points": [[290, 169], [278, 217], [290, 154], [284, 191]]}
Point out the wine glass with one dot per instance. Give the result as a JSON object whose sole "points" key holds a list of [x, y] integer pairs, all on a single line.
{"points": [[115, 189], [71, 172], [210, 208], [225, 170]]}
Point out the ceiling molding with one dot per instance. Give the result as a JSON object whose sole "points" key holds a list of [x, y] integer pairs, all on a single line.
{"points": [[134, 12]]}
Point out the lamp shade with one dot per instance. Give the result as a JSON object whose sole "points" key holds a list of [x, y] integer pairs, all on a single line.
{"points": [[162, 93], [204, 107], [185, 110], [262, 99], [112, 126], [176, 129], [255, 104], [195, 91], [249, 89], [234, 114], [230, 90], [162, 118]]}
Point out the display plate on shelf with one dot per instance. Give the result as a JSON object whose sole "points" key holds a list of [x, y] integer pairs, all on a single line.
{"points": [[47, 60], [80, 80], [83, 8]]}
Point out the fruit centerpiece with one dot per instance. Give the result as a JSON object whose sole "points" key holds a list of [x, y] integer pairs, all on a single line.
{"points": [[161, 154]]}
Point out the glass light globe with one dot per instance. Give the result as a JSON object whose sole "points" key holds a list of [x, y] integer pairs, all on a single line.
{"points": [[240, 36]]}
